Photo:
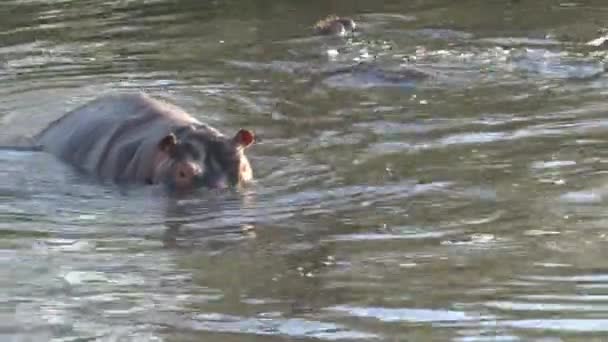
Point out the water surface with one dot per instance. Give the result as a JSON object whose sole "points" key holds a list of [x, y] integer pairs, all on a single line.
{"points": [[438, 176]]}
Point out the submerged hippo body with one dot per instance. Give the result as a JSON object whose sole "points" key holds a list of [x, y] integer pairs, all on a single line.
{"points": [[134, 138]]}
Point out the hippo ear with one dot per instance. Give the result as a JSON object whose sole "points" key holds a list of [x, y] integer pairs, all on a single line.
{"points": [[167, 144], [244, 138]]}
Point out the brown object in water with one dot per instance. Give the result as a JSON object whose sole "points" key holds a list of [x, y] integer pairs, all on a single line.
{"points": [[334, 25], [133, 138]]}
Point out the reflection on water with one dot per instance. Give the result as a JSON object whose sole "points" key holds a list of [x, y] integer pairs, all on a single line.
{"points": [[437, 176]]}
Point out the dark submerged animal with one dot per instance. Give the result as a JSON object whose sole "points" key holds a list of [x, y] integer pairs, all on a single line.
{"points": [[336, 26], [133, 138], [370, 74]]}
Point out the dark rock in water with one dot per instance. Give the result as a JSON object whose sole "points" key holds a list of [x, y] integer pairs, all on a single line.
{"points": [[335, 26], [367, 75]]}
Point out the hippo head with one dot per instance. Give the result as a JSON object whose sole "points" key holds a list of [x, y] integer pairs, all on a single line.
{"points": [[335, 26], [193, 158], [348, 24]]}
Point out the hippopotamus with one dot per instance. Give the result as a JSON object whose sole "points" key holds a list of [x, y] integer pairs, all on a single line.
{"points": [[335, 26], [134, 138]]}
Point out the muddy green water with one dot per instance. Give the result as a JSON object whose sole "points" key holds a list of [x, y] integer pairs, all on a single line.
{"points": [[466, 206]]}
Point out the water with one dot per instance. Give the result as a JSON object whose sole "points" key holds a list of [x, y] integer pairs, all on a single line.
{"points": [[466, 205]]}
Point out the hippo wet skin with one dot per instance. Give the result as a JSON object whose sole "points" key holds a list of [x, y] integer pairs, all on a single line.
{"points": [[133, 138]]}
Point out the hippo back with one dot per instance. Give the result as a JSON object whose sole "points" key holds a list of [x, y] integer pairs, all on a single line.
{"points": [[115, 136]]}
